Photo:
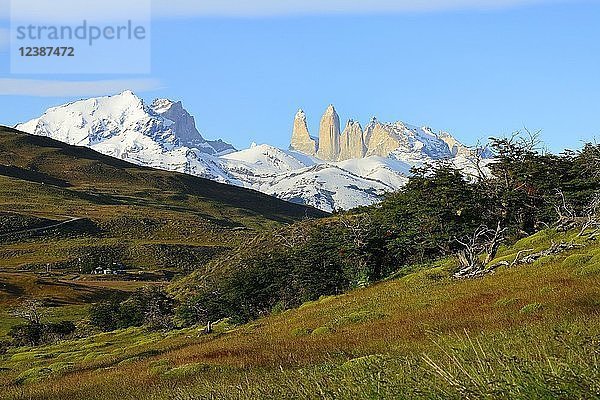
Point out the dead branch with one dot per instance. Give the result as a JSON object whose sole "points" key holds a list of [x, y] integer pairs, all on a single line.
{"points": [[518, 256], [555, 248], [591, 219], [483, 241], [31, 310]]}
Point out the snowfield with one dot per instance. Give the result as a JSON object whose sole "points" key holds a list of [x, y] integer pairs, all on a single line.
{"points": [[164, 135]]}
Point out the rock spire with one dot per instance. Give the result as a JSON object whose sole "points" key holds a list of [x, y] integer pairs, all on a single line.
{"points": [[352, 143], [329, 135], [301, 140]]}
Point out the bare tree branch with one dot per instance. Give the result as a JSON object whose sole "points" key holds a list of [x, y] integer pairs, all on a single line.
{"points": [[591, 220], [483, 241], [31, 310]]}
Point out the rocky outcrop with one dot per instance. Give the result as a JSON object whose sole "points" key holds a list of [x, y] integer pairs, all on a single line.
{"points": [[456, 148], [395, 140], [352, 144], [301, 140], [329, 135], [380, 139], [184, 126]]}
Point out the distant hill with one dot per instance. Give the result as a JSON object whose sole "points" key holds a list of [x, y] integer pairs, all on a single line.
{"points": [[72, 207]]}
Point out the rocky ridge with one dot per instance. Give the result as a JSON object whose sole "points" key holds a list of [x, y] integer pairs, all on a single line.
{"points": [[339, 171]]}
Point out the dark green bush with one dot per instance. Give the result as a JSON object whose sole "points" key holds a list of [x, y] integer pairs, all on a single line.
{"points": [[27, 334], [148, 306], [33, 334]]}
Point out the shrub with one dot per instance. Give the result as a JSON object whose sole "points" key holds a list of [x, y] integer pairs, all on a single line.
{"points": [[105, 315], [61, 329], [33, 334], [32, 374], [298, 332], [4, 346], [589, 269], [148, 306], [187, 370], [505, 302], [322, 330], [27, 334], [576, 260]]}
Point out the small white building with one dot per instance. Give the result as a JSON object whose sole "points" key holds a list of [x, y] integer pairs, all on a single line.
{"points": [[116, 269]]}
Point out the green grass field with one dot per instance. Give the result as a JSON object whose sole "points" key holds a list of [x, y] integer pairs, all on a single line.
{"points": [[64, 299], [139, 217], [530, 331]]}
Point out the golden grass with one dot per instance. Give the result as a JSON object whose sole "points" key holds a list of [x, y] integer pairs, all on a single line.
{"points": [[400, 327], [13, 286]]}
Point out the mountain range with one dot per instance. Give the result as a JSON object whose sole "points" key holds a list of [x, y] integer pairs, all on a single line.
{"points": [[337, 170]]}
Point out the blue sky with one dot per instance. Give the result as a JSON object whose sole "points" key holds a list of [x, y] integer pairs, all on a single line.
{"points": [[471, 70]]}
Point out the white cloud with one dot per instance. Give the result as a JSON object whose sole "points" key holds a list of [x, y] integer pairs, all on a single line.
{"points": [[4, 39], [49, 88], [306, 7], [32, 11], [60, 9]]}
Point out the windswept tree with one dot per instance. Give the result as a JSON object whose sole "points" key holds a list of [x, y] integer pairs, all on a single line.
{"points": [[478, 250], [31, 310], [36, 329], [437, 205], [150, 306]]}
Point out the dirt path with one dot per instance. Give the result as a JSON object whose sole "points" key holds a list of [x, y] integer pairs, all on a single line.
{"points": [[43, 228]]}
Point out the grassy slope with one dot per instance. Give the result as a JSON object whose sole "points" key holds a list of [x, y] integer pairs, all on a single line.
{"points": [[530, 331], [67, 299], [142, 217]]}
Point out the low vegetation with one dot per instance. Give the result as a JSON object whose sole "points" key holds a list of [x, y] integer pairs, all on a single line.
{"points": [[147, 306], [83, 210], [526, 331], [370, 303], [439, 213]]}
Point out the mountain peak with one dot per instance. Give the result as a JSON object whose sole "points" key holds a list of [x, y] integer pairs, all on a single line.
{"points": [[352, 144], [330, 109], [161, 106], [128, 97], [123, 126], [329, 135], [301, 140], [127, 92]]}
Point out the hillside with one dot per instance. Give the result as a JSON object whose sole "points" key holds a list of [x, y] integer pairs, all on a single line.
{"points": [[449, 288], [528, 331], [71, 208]]}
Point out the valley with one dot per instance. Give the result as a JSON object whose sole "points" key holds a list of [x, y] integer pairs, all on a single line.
{"points": [[66, 211]]}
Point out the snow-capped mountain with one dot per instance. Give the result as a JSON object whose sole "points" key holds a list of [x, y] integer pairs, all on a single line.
{"points": [[305, 179], [164, 135], [123, 126], [404, 142]]}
